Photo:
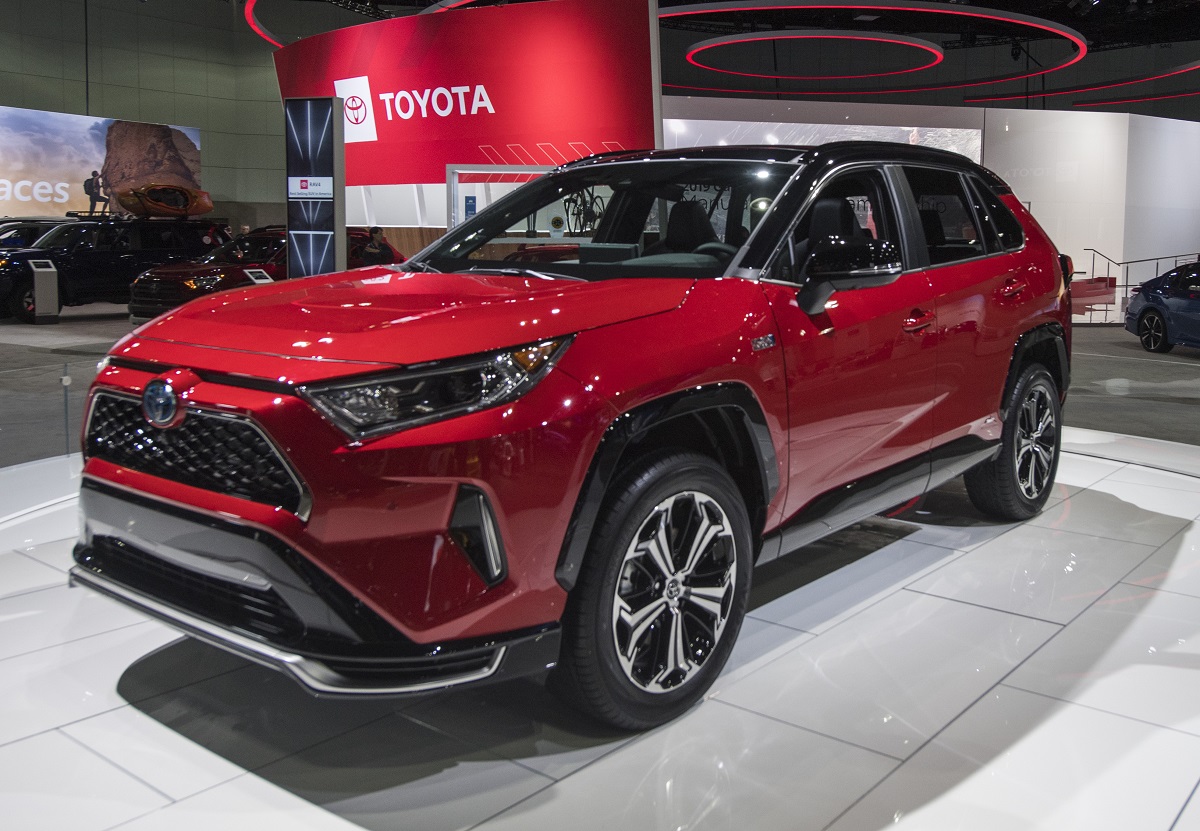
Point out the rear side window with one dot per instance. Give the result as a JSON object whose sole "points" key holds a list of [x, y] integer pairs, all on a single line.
{"points": [[192, 236], [951, 231], [992, 212], [157, 237], [1188, 279]]}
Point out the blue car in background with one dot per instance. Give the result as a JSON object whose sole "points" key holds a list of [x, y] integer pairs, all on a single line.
{"points": [[1165, 311]]}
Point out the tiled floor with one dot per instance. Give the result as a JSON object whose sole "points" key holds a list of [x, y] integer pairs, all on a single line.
{"points": [[965, 675]]}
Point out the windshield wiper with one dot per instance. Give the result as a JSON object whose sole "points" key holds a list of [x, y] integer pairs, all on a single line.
{"points": [[417, 265], [525, 272]]}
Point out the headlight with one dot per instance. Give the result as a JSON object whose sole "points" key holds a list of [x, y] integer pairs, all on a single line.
{"points": [[207, 282], [369, 406]]}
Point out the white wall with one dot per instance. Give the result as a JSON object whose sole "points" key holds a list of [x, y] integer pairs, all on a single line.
{"points": [[1163, 193], [1070, 168]]}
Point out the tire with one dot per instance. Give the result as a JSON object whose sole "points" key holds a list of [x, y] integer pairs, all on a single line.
{"points": [[1152, 332], [645, 636], [21, 303], [1016, 484]]}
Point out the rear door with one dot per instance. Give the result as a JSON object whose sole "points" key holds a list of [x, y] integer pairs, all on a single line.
{"points": [[983, 298]]}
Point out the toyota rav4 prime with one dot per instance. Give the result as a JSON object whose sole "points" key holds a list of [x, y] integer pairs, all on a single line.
{"points": [[470, 467]]}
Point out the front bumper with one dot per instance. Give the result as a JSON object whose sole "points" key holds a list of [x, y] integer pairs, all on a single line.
{"points": [[249, 593]]}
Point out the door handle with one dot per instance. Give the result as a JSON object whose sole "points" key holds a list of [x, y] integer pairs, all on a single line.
{"points": [[1012, 287], [917, 320]]}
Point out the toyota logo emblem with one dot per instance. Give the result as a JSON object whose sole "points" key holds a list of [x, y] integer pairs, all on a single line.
{"points": [[159, 404], [356, 110]]}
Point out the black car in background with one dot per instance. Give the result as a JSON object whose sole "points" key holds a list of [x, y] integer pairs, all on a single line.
{"points": [[23, 232], [97, 260]]}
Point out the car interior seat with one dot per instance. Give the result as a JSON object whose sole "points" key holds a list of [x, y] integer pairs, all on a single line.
{"points": [[687, 229], [831, 216]]}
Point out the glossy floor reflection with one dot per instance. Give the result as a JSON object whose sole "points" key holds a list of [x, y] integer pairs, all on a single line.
{"points": [[932, 670]]}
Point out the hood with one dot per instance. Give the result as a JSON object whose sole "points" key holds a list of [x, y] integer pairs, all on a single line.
{"points": [[381, 315], [178, 272], [25, 253]]}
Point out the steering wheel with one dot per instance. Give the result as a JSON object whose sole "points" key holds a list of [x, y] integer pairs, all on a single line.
{"points": [[720, 250]]}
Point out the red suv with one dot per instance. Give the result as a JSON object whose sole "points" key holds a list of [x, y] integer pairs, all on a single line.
{"points": [[471, 467]]}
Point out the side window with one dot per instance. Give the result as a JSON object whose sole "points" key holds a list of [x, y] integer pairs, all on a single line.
{"points": [[112, 238], [852, 206], [1191, 280], [951, 233], [156, 237], [994, 213]]}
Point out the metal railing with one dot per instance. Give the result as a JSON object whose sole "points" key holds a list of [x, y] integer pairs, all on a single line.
{"points": [[41, 409], [1111, 302]]}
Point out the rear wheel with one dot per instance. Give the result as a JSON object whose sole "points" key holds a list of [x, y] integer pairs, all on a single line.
{"points": [[1152, 332], [661, 596], [1016, 484]]}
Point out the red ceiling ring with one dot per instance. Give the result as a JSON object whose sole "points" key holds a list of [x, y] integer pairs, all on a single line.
{"points": [[1040, 26], [1142, 79], [258, 28], [1112, 102], [816, 34]]}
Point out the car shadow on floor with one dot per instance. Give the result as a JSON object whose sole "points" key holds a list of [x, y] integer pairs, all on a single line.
{"points": [[385, 763]]}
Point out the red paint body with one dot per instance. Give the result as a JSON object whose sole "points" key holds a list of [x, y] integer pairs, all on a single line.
{"points": [[876, 378]]}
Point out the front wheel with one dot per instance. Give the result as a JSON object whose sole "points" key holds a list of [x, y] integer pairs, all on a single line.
{"points": [[661, 596], [1152, 332], [22, 304], [1016, 484]]}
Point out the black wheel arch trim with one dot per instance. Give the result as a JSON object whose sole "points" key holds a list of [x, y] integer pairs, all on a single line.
{"points": [[734, 400], [1050, 332]]}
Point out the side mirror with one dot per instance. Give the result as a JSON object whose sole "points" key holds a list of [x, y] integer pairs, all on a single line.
{"points": [[840, 264]]}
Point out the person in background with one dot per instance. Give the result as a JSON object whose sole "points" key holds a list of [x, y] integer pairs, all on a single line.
{"points": [[376, 252], [94, 188]]}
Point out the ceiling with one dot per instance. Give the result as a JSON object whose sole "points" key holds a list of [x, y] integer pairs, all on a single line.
{"points": [[879, 49], [1107, 24]]}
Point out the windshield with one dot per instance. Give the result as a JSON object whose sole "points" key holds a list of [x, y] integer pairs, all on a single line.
{"points": [[668, 217], [245, 250]]}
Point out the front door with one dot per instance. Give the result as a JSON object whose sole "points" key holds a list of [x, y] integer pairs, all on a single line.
{"points": [[860, 371]]}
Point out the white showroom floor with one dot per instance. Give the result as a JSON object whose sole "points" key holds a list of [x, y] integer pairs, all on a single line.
{"points": [[968, 675]]}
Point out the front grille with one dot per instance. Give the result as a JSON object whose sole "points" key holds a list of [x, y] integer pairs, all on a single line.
{"points": [[157, 291], [214, 451], [238, 606]]}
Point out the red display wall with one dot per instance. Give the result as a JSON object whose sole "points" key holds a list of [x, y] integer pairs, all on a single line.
{"points": [[528, 83]]}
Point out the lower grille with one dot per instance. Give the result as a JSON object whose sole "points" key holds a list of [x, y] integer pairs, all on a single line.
{"points": [[217, 452], [237, 606]]}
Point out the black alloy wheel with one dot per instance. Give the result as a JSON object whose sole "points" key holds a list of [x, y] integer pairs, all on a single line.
{"points": [[1016, 484], [1152, 332], [662, 594]]}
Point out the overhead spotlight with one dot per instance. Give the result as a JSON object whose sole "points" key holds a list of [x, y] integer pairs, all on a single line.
{"points": [[1015, 51]]}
